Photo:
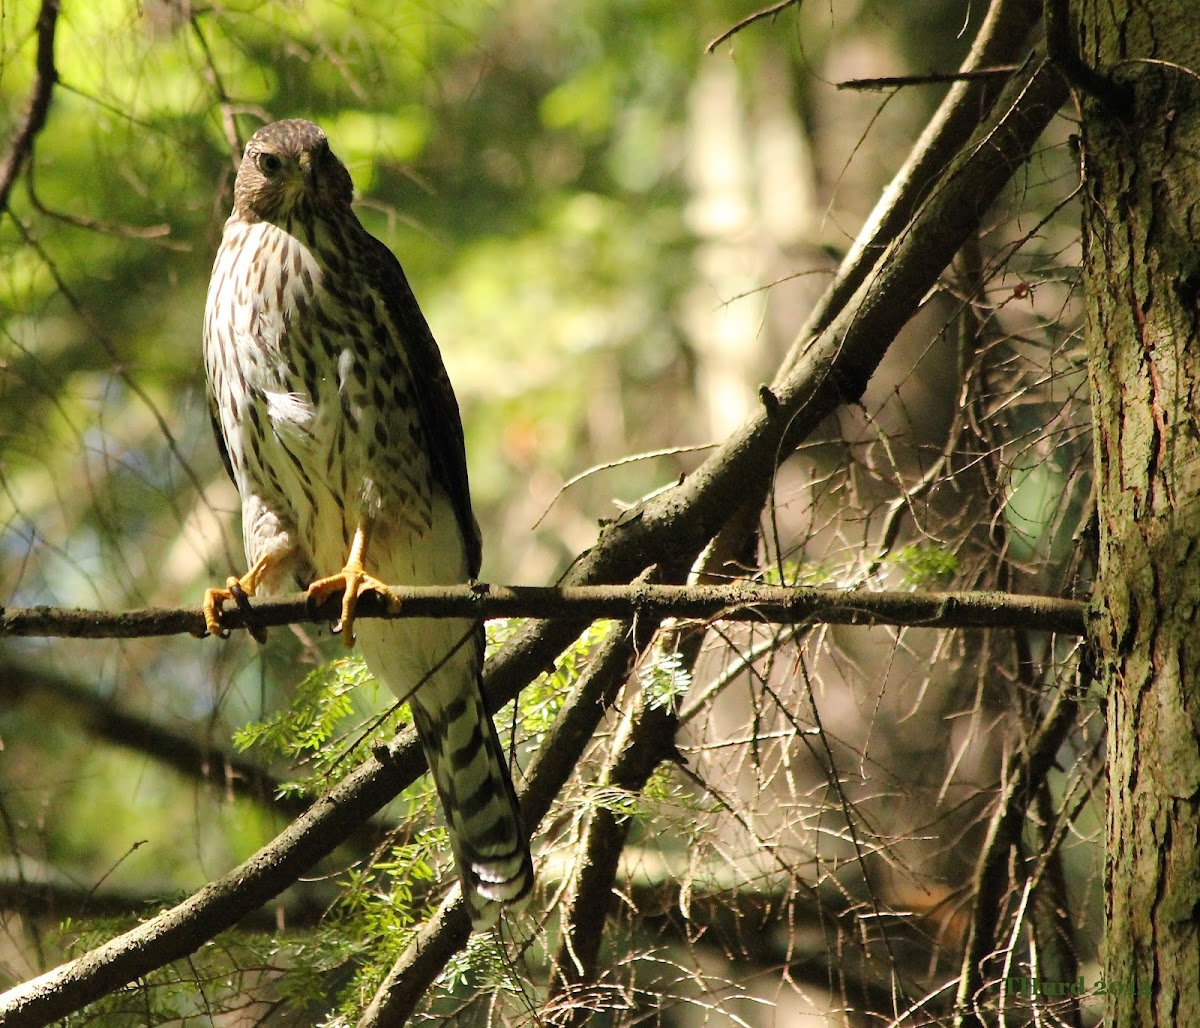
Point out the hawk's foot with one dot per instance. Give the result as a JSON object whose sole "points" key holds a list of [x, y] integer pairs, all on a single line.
{"points": [[214, 599], [239, 590], [352, 582]]}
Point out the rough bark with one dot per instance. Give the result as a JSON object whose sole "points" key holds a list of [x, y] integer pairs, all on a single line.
{"points": [[1142, 274]]}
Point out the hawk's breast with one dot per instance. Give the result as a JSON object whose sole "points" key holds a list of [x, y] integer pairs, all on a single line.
{"points": [[312, 390]]}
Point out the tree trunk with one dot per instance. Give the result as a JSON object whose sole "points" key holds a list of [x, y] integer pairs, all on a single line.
{"points": [[1141, 219]]}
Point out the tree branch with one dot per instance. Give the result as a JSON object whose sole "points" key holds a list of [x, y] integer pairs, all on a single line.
{"points": [[45, 77], [644, 739], [991, 876], [580, 604], [1001, 41], [57, 900], [767, 12]]}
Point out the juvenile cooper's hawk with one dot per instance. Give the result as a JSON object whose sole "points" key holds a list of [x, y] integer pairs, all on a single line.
{"points": [[338, 423]]}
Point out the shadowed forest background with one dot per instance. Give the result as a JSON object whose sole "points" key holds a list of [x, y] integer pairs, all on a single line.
{"points": [[616, 237]]}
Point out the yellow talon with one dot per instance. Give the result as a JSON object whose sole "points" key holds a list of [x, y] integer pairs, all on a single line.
{"points": [[352, 581], [239, 590], [214, 599]]}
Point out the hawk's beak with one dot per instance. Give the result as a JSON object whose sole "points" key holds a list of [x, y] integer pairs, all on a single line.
{"points": [[308, 168]]}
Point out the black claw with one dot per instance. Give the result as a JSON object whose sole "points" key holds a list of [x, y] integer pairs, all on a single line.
{"points": [[257, 632]]}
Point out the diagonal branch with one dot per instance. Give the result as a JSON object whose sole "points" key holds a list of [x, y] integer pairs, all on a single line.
{"points": [[834, 367], [447, 931], [1001, 40], [644, 739], [990, 877]]}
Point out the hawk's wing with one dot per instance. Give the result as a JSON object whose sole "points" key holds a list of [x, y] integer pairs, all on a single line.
{"points": [[216, 427], [440, 418]]}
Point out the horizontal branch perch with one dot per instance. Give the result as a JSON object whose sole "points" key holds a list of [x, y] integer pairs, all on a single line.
{"points": [[765, 604]]}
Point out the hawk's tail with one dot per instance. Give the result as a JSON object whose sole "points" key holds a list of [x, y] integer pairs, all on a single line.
{"points": [[489, 841]]}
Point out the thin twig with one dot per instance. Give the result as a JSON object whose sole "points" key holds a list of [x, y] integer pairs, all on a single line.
{"points": [[1002, 71], [595, 469], [750, 19]]}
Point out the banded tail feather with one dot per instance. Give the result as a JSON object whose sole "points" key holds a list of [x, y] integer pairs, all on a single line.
{"points": [[483, 816]]}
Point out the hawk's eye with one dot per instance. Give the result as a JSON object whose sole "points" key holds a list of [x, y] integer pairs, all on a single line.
{"points": [[269, 164]]}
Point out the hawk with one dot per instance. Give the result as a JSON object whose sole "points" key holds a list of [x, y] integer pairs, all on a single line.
{"points": [[338, 423]]}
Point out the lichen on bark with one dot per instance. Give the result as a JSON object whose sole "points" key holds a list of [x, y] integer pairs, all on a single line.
{"points": [[1142, 266]]}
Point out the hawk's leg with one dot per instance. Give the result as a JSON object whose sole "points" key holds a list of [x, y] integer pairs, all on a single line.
{"points": [[238, 590], [353, 580]]}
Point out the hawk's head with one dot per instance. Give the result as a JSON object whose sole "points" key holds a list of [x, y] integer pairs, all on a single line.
{"points": [[287, 169]]}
